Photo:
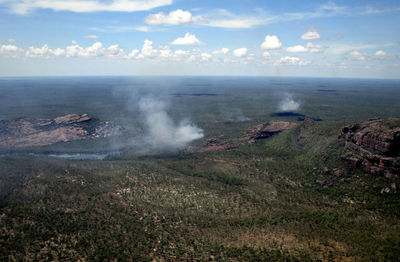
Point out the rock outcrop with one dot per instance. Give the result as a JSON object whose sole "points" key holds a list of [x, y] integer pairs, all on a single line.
{"points": [[266, 130], [261, 131], [30, 132], [213, 144], [374, 146]]}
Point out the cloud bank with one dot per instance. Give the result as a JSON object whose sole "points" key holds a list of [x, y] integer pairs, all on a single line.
{"points": [[85, 6]]}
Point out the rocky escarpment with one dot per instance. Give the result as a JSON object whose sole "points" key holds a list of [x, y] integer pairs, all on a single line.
{"points": [[261, 131], [266, 130], [374, 146], [30, 132]]}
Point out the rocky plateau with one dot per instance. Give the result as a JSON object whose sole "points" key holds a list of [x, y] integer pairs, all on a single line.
{"points": [[30, 132]]}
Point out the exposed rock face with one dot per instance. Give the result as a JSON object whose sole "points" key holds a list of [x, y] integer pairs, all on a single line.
{"points": [[261, 131], [214, 145], [374, 146], [266, 130], [30, 132], [71, 119], [107, 129]]}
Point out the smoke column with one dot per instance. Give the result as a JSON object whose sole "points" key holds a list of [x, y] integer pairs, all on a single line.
{"points": [[162, 131], [288, 104]]}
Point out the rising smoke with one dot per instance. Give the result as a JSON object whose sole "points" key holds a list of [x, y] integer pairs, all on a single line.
{"points": [[162, 132], [288, 104], [235, 115]]}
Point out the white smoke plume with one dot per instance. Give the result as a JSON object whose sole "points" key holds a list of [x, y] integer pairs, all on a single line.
{"points": [[162, 131], [235, 115], [288, 104]]}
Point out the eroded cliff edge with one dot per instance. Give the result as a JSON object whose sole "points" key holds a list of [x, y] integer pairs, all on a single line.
{"points": [[374, 146]]}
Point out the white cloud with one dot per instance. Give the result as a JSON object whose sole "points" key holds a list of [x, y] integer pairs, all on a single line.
{"points": [[142, 28], [115, 51], [85, 6], [10, 51], [75, 50], [222, 51], [43, 52], [297, 49], [94, 37], [181, 52], [240, 52], [177, 17], [314, 48], [358, 55], [381, 53], [271, 42], [120, 29], [148, 50], [240, 22], [341, 49], [219, 18], [58, 52], [291, 60], [309, 48], [11, 40], [266, 54], [39, 52], [133, 54], [310, 35], [205, 56], [188, 39]]}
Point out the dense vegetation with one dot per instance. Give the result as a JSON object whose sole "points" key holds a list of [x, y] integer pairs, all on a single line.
{"points": [[286, 198], [258, 202]]}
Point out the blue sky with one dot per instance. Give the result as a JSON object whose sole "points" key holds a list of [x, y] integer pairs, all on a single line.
{"points": [[176, 37]]}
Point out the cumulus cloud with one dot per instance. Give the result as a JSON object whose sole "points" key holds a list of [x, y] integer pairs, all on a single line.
{"points": [[43, 52], [266, 54], [357, 55], [10, 51], [222, 51], [115, 51], [161, 131], [240, 52], [177, 17], [297, 49], [75, 50], [310, 48], [381, 53], [271, 42], [314, 48], [218, 18], [188, 39], [291, 60], [94, 37], [85, 6], [311, 35], [205, 56], [133, 54], [288, 104]]}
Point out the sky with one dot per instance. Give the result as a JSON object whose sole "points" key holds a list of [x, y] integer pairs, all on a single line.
{"points": [[358, 39]]}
